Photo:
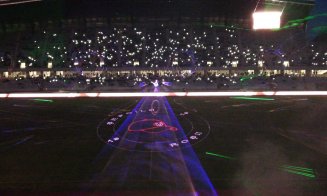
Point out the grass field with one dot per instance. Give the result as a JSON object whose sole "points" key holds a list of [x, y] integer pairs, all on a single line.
{"points": [[258, 147]]}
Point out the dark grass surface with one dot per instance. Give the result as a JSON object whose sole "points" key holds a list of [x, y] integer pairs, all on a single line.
{"points": [[51, 147]]}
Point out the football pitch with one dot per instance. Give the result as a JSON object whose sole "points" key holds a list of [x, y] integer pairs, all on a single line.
{"points": [[188, 145]]}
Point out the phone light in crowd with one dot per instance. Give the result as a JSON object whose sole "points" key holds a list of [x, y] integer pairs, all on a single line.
{"points": [[22, 65], [50, 65], [101, 63], [266, 20]]}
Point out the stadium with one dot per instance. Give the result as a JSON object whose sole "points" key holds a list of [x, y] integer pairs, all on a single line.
{"points": [[166, 97]]}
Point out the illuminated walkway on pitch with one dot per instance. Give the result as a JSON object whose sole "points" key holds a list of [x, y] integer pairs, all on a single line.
{"points": [[151, 151], [164, 94]]}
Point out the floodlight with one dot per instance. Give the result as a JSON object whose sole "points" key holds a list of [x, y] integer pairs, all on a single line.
{"points": [[266, 20]]}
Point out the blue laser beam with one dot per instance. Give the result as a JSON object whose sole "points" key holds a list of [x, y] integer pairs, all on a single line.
{"points": [[193, 164], [171, 165]]}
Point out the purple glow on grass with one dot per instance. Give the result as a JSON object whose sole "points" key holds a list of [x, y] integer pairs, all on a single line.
{"points": [[142, 84], [201, 181], [167, 83]]}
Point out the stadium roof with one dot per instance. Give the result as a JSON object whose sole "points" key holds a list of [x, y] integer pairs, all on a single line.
{"points": [[298, 2], [31, 10], [15, 2]]}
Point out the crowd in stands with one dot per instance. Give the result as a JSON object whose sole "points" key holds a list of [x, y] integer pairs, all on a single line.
{"points": [[164, 47]]}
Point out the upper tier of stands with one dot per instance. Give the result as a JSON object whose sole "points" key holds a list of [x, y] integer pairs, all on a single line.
{"points": [[160, 47]]}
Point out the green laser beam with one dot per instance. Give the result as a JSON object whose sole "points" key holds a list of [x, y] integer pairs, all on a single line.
{"points": [[249, 77], [300, 173], [43, 100], [219, 155], [253, 98], [298, 168], [299, 22], [320, 29], [307, 18]]}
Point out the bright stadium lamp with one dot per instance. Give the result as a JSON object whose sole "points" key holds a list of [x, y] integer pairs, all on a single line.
{"points": [[266, 20]]}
